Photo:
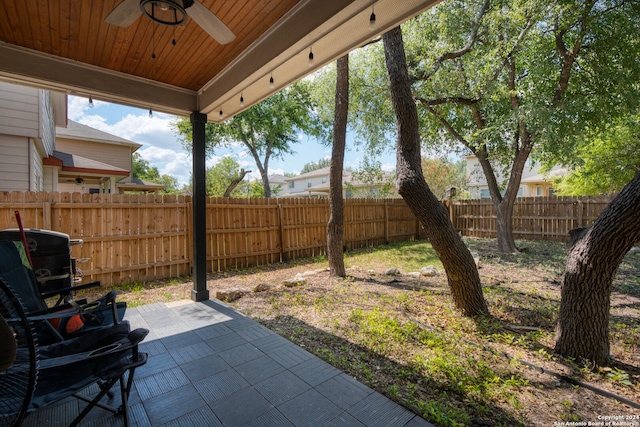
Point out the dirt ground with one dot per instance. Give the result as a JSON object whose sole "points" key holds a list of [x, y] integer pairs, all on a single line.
{"points": [[400, 334]]}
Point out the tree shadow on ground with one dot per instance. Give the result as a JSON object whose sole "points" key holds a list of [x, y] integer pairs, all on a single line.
{"points": [[432, 399]]}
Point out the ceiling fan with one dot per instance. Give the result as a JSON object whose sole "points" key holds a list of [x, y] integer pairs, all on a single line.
{"points": [[171, 13]]}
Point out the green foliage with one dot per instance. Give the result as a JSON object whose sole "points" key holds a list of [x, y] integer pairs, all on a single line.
{"points": [[370, 114], [267, 130], [380, 183], [442, 174], [312, 166], [219, 177], [141, 169], [520, 37], [502, 80], [617, 375], [604, 162]]}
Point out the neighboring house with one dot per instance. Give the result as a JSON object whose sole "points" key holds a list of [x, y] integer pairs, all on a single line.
{"points": [[43, 151], [316, 184], [532, 184], [100, 163], [28, 119], [278, 185]]}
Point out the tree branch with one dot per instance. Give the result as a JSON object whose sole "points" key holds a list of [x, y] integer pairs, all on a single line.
{"points": [[451, 129], [450, 99], [569, 56], [473, 38], [234, 183]]}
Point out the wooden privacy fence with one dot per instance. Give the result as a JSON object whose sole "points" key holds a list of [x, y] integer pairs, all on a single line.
{"points": [[534, 218], [136, 238]]}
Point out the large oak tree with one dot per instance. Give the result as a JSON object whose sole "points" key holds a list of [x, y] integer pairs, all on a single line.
{"points": [[462, 274], [508, 81]]}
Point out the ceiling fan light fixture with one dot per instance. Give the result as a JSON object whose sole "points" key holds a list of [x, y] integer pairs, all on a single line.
{"points": [[241, 100], [271, 82], [165, 12]]}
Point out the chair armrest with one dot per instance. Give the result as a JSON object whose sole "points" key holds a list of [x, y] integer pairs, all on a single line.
{"points": [[68, 290]]}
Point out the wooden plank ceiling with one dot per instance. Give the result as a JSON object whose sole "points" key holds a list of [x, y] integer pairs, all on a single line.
{"points": [[77, 30], [66, 46]]}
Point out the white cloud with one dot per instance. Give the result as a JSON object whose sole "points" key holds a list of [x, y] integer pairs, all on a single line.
{"points": [[278, 171], [169, 162], [388, 167], [77, 107]]}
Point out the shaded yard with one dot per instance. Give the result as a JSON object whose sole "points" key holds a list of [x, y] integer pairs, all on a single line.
{"points": [[400, 335]]}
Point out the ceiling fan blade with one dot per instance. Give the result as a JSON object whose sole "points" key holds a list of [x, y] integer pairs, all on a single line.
{"points": [[210, 23], [125, 13]]}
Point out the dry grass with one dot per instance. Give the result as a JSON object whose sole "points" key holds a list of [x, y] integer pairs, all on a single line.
{"points": [[401, 335]]}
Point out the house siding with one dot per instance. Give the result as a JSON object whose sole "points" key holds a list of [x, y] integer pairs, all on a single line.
{"points": [[114, 155], [50, 178], [36, 173], [478, 188], [47, 124], [19, 110], [14, 163]]}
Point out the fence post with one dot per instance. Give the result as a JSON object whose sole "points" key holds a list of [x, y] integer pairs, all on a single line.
{"points": [[281, 230], [386, 223]]}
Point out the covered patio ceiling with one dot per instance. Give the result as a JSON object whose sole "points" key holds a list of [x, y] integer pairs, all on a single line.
{"points": [[67, 46]]}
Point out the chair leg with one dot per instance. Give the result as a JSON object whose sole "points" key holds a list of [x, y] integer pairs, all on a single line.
{"points": [[94, 402], [101, 384], [124, 393]]}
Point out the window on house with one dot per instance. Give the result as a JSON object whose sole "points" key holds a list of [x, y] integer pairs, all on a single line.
{"points": [[539, 190], [520, 192], [484, 193], [348, 194], [309, 184], [292, 184], [550, 192], [324, 179]]}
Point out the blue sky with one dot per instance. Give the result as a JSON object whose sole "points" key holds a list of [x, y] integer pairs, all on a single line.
{"points": [[161, 148]]}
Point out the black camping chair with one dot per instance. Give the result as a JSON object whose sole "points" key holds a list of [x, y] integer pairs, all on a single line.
{"points": [[104, 356], [70, 319]]}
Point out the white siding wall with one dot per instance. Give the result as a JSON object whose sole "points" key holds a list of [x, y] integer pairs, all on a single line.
{"points": [[19, 110], [14, 163], [50, 178], [36, 175], [302, 185], [47, 123]]}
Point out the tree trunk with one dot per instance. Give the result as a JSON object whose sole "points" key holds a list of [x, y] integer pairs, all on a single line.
{"points": [[234, 183], [504, 227], [462, 273], [335, 227], [263, 168], [583, 325]]}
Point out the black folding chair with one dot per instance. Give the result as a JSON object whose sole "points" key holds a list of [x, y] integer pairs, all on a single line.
{"points": [[104, 356]]}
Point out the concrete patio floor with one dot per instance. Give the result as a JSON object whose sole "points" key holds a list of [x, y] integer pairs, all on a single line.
{"points": [[211, 366]]}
